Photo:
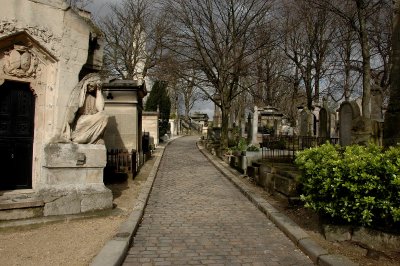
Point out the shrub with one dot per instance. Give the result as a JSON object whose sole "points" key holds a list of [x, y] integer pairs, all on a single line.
{"points": [[242, 145], [252, 147], [279, 144], [359, 185]]}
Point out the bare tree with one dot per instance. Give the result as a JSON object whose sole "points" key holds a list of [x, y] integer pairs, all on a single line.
{"points": [[217, 38], [357, 15], [381, 44], [133, 33], [345, 71], [189, 94], [268, 69], [307, 42]]}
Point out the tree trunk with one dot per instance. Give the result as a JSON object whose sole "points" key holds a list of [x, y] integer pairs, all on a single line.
{"points": [[224, 126], [308, 84], [365, 50], [347, 67], [392, 116]]}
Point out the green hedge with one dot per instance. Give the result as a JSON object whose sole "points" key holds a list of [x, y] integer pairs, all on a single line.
{"points": [[359, 185]]}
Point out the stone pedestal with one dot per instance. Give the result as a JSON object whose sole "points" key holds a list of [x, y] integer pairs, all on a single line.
{"points": [[73, 179]]}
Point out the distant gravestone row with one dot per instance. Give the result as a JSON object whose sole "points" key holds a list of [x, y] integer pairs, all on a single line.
{"points": [[350, 126], [346, 124]]}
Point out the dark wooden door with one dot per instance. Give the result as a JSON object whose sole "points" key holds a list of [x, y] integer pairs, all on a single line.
{"points": [[17, 105]]}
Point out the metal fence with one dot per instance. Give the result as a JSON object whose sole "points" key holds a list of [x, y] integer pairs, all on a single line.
{"points": [[391, 142], [122, 161], [284, 148]]}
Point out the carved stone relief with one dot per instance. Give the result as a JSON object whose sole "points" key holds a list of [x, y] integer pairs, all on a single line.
{"points": [[45, 35], [20, 62]]}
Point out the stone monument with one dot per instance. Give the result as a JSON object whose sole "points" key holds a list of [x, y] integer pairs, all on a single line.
{"points": [[324, 130], [349, 117], [254, 131], [75, 160], [306, 123], [49, 105]]}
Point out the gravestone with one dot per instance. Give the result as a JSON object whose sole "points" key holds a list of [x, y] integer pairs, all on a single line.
{"points": [[306, 120], [376, 104], [324, 123], [349, 115], [345, 123]]}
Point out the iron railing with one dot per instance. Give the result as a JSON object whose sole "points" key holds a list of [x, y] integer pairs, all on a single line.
{"points": [[391, 142], [284, 148], [122, 161]]}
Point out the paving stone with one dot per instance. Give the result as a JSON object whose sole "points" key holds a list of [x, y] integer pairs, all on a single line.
{"points": [[197, 216]]}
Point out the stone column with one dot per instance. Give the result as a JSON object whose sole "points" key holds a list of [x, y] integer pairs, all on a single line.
{"points": [[173, 128], [255, 126]]}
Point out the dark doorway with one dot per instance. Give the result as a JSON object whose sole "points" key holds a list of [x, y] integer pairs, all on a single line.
{"points": [[17, 107]]}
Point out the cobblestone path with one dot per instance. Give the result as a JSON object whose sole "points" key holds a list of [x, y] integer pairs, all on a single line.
{"points": [[197, 217]]}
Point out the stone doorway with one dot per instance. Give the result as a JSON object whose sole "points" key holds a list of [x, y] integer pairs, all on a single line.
{"points": [[17, 106]]}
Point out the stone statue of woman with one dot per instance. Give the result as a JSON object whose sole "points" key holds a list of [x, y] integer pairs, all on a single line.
{"points": [[85, 118]]}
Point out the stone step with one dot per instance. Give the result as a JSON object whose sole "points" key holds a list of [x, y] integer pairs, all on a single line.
{"points": [[295, 175], [10, 205], [20, 205]]}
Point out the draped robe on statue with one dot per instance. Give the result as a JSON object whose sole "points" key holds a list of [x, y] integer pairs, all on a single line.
{"points": [[85, 119]]}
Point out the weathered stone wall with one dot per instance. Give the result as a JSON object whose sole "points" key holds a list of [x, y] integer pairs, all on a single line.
{"points": [[150, 124], [58, 39], [63, 33]]}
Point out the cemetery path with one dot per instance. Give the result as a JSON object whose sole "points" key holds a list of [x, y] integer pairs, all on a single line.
{"points": [[196, 216]]}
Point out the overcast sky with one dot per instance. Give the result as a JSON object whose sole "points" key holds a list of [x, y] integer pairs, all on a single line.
{"points": [[99, 7]]}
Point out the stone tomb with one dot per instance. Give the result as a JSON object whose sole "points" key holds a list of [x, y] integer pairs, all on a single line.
{"points": [[150, 124], [124, 105]]}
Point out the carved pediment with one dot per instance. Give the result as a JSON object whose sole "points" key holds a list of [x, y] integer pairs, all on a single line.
{"points": [[21, 55]]}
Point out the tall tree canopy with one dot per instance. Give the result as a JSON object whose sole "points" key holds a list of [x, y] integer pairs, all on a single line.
{"points": [[279, 53], [219, 39], [159, 99], [133, 31]]}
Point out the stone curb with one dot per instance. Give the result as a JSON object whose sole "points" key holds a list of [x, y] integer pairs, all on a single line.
{"points": [[114, 251], [297, 235]]}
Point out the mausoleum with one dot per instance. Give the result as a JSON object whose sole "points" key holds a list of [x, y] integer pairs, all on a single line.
{"points": [[50, 163]]}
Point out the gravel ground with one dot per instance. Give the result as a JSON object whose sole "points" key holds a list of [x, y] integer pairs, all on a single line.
{"points": [[71, 241]]}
